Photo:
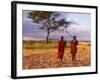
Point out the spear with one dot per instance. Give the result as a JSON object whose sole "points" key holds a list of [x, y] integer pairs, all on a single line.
{"points": [[66, 32], [69, 33], [65, 45]]}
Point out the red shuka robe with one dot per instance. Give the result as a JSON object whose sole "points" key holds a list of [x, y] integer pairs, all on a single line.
{"points": [[74, 44], [61, 45]]}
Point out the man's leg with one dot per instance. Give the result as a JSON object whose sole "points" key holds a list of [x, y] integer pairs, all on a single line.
{"points": [[73, 59], [61, 60]]}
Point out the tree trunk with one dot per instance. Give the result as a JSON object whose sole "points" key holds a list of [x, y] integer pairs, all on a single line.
{"points": [[47, 36]]}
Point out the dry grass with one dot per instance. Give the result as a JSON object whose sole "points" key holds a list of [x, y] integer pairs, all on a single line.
{"points": [[45, 58]]}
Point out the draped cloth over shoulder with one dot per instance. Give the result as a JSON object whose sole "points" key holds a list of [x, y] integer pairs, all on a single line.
{"points": [[74, 44], [61, 45]]}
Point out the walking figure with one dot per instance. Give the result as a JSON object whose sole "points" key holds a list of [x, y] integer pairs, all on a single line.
{"points": [[61, 46], [74, 44]]}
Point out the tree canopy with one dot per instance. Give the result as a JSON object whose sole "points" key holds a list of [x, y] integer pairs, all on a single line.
{"points": [[50, 21]]}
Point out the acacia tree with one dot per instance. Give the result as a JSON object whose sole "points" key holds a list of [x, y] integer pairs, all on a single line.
{"points": [[50, 21]]}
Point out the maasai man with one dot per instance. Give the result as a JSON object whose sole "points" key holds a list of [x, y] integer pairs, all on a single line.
{"points": [[74, 44], [61, 46]]}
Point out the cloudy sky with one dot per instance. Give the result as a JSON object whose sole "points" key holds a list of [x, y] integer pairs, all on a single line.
{"points": [[82, 28]]}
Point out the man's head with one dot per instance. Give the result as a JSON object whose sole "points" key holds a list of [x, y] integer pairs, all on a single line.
{"points": [[74, 37], [62, 37]]}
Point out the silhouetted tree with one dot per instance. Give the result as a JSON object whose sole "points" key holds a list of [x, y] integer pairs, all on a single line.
{"points": [[50, 21]]}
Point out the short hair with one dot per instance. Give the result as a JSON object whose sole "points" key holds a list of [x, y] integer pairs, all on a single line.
{"points": [[74, 37], [62, 37]]}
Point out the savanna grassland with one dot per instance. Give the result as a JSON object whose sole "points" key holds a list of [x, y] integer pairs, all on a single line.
{"points": [[39, 54]]}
